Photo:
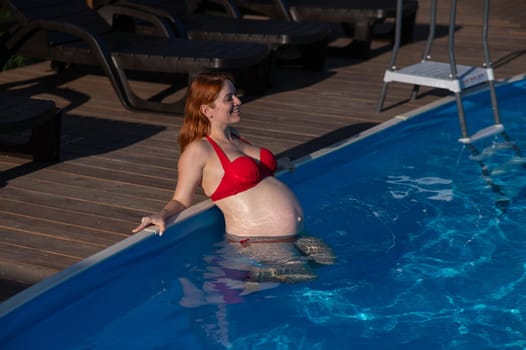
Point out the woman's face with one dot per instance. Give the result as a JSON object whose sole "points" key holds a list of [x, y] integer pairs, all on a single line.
{"points": [[225, 108]]}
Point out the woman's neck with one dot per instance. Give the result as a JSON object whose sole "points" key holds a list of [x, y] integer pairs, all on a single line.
{"points": [[224, 134]]}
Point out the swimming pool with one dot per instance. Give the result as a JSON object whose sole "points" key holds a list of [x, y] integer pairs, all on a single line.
{"points": [[431, 252]]}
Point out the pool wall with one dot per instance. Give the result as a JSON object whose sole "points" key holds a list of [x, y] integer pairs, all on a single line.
{"points": [[44, 298]]}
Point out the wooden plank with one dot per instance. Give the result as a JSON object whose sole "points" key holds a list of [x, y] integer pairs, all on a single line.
{"points": [[113, 175], [76, 205], [82, 235], [59, 215], [35, 257], [70, 184], [48, 243]]}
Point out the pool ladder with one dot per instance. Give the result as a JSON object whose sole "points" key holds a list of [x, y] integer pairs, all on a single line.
{"points": [[450, 76]]}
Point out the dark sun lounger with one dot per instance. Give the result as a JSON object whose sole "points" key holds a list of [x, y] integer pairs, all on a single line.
{"points": [[40, 117], [357, 17], [191, 20], [71, 32]]}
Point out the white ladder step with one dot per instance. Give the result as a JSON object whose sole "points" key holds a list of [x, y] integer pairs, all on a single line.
{"points": [[438, 75], [483, 133]]}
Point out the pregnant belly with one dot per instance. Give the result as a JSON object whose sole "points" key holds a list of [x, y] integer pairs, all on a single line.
{"points": [[269, 209]]}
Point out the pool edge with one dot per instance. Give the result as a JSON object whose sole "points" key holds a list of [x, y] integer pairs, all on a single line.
{"points": [[399, 119]]}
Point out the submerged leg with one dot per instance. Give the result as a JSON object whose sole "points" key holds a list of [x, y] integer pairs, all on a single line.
{"points": [[316, 250], [289, 272], [192, 296]]}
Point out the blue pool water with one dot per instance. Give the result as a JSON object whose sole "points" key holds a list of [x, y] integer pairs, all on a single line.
{"points": [[431, 255]]}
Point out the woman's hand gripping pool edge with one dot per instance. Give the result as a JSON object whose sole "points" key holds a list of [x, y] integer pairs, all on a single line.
{"points": [[172, 208]]}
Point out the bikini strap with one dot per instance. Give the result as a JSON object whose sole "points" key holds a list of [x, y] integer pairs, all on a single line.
{"points": [[225, 162]]}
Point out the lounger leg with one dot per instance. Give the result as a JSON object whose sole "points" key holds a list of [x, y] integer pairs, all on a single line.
{"points": [[362, 37], [45, 140], [130, 100], [58, 67]]}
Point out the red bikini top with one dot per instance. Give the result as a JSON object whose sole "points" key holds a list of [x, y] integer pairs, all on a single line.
{"points": [[243, 172]]}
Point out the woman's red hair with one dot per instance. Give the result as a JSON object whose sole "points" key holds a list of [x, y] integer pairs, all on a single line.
{"points": [[203, 90]]}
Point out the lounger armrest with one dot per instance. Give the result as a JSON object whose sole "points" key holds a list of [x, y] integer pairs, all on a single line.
{"points": [[145, 13], [229, 6], [284, 8], [24, 33], [97, 45], [160, 15]]}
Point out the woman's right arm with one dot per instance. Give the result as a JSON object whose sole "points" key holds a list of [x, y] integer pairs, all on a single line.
{"points": [[171, 208], [190, 172]]}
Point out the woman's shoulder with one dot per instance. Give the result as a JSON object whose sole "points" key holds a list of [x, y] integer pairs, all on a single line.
{"points": [[199, 146], [196, 153], [199, 149]]}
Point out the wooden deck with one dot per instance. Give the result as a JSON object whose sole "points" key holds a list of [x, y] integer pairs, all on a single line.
{"points": [[118, 165]]}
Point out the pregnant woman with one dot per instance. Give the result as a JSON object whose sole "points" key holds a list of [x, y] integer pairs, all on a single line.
{"points": [[263, 217]]}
